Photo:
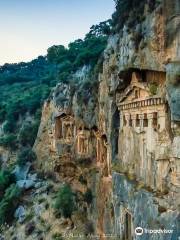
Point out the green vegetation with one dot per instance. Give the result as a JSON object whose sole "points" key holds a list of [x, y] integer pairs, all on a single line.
{"points": [[153, 88], [9, 141], [9, 196], [29, 216], [65, 204], [57, 236], [9, 203], [80, 52], [28, 132], [24, 87], [26, 155], [6, 178], [128, 12], [88, 196]]}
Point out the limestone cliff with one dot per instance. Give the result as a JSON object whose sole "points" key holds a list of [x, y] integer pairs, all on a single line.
{"points": [[123, 133]]}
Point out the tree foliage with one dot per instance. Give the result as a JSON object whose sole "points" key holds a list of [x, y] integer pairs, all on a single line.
{"points": [[130, 12], [24, 86], [65, 204], [28, 133], [9, 141], [101, 29], [6, 178], [9, 203], [26, 155], [80, 52]]}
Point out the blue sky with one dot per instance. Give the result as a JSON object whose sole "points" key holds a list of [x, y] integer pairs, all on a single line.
{"points": [[29, 27]]}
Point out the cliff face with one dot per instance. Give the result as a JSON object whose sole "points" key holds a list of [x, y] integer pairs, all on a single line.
{"points": [[126, 132], [69, 111]]}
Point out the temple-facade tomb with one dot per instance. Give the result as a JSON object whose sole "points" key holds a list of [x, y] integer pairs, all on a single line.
{"points": [[139, 108], [143, 133], [102, 153], [64, 128], [83, 142]]}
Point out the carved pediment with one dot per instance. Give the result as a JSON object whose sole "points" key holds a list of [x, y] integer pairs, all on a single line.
{"points": [[68, 119], [135, 94], [64, 117], [137, 90]]}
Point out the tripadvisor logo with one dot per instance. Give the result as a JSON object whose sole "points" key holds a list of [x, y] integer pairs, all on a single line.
{"points": [[139, 231]]}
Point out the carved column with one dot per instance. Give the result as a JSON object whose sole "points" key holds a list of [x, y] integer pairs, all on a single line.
{"points": [[141, 120]]}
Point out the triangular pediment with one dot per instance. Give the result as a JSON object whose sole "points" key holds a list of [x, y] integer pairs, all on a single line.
{"points": [[136, 90], [65, 117]]}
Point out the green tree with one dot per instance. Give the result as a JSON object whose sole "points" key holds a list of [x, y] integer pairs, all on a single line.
{"points": [[128, 12], [57, 54], [2, 113], [123, 8], [101, 29], [10, 125], [9, 141], [9, 203], [64, 203], [28, 133], [6, 178]]}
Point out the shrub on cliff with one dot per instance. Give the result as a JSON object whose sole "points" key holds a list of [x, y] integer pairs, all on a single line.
{"points": [[123, 8], [9, 203], [10, 125], [26, 155], [84, 161], [6, 178], [2, 113], [128, 13], [57, 236], [88, 196], [65, 204], [153, 88], [9, 141]]}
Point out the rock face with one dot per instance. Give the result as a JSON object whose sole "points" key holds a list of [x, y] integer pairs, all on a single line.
{"points": [[66, 130], [20, 214], [128, 129], [144, 211]]}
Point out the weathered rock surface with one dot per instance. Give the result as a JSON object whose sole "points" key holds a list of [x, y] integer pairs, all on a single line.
{"points": [[20, 214]]}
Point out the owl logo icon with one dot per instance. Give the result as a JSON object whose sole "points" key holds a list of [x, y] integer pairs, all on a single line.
{"points": [[139, 231]]}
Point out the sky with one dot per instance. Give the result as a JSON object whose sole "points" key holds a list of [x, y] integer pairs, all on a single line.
{"points": [[29, 27]]}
